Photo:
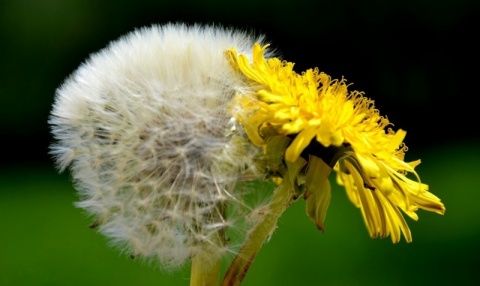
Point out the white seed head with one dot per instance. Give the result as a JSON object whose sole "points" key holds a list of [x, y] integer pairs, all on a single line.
{"points": [[145, 128]]}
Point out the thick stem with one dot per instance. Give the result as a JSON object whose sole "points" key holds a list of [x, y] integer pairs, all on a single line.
{"points": [[205, 272]]}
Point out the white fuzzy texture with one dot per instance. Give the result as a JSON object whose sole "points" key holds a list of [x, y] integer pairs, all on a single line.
{"points": [[145, 129]]}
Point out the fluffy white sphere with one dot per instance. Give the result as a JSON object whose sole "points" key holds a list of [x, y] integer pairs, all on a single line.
{"points": [[145, 128]]}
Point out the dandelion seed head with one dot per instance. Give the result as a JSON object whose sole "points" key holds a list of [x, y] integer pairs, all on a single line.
{"points": [[152, 147]]}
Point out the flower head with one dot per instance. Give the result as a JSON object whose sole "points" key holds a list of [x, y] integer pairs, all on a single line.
{"points": [[320, 118], [153, 149]]}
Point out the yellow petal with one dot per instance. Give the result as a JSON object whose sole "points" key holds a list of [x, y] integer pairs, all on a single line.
{"points": [[396, 141], [301, 141]]}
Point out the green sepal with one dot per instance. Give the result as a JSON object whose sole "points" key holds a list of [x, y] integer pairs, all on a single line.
{"points": [[274, 152], [317, 190], [294, 174]]}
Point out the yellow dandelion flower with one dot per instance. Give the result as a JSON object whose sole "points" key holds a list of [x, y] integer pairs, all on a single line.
{"points": [[324, 120]]}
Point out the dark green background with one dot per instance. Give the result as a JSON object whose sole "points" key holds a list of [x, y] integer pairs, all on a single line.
{"points": [[417, 59]]}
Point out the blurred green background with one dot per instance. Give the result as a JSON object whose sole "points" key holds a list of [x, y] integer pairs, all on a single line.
{"points": [[415, 58]]}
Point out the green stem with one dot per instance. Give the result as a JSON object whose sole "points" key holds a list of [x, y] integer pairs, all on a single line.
{"points": [[204, 271]]}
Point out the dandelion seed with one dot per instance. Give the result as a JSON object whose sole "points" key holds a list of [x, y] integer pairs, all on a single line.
{"points": [[152, 147]]}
